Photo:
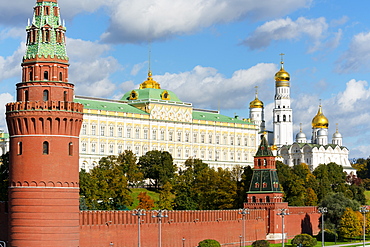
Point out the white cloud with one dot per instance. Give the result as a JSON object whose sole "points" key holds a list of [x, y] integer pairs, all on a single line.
{"points": [[144, 20], [287, 29], [357, 57], [206, 87], [9, 66], [137, 67], [90, 70]]}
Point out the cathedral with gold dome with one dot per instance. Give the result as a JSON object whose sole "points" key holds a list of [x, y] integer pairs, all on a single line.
{"points": [[312, 152]]}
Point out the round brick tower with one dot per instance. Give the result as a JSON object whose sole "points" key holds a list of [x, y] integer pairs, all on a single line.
{"points": [[44, 125]]}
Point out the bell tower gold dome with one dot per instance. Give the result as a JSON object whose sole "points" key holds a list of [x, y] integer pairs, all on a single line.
{"points": [[282, 75], [320, 121]]}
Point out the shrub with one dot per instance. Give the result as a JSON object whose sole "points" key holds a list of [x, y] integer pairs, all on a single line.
{"points": [[329, 235], [304, 240], [209, 243], [261, 243]]}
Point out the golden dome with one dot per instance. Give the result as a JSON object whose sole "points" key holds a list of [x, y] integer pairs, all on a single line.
{"points": [[282, 75], [256, 103], [320, 121], [150, 83]]}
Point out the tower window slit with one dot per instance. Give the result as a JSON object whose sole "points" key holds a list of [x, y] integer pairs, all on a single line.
{"points": [[46, 75], [45, 95], [45, 148], [20, 148], [70, 149]]}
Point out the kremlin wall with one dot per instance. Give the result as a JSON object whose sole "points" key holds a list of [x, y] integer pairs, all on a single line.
{"points": [[101, 228]]}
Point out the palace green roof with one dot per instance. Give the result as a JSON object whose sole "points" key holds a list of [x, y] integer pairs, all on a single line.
{"points": [[212, 116], [151, 93], [115, 106]]}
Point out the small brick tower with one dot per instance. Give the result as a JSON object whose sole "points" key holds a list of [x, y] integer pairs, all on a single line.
{"points": [[44, 125], [265, 191]]}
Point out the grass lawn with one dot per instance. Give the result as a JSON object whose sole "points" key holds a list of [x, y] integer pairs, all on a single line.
{"points": [[135, 192], [367, 195]]}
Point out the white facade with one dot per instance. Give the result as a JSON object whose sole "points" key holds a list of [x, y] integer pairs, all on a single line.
{"points": [[218, 140]]}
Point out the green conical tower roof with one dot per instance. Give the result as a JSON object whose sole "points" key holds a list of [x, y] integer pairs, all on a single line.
{"points": [[265, 178], [46, 32], [264, 149]]}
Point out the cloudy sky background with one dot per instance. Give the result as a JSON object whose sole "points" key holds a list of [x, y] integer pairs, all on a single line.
{"points": [[213, 53]]}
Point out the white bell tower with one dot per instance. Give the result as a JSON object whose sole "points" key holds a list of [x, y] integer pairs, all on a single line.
{"points": [[282, 113]]}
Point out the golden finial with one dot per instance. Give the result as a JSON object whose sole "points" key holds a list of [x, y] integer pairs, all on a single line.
{"points": [[336, 127], [149, 58], [300, 127], [282, 59]]}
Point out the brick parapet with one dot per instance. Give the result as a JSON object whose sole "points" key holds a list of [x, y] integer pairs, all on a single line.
{"points": [[44, 105]]}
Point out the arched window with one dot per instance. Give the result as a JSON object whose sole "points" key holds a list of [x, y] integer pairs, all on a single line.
{"points": [[46, 75], [65, 96], [60, 76], [45, 148], [278, 118], [26, 95], [254, 199], [45, 95], [70, 149], [31, 76], [284, 118], [267, 199]]}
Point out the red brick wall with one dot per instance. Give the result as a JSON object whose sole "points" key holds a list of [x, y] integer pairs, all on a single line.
{"points": [[302, 220], [100, 228]]}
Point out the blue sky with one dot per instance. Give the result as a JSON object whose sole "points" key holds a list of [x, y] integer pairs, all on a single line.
{"points": [[213, 53]]}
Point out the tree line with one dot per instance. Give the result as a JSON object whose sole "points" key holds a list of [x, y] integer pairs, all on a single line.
{"points": [[197, 186]]}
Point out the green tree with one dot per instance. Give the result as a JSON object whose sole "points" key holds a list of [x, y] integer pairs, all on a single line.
{"points": [[4, 177], [310, 197], [145, 201], [127, 162], [243, 186], [105, 187], [322, 176], [166, 198], [158, 166], [350, 225], [185, 184], [336, 204], [204, 188]]}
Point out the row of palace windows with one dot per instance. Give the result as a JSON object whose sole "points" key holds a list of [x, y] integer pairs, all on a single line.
{"points": [[45, 148], [172, 136], [210, 155]]}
